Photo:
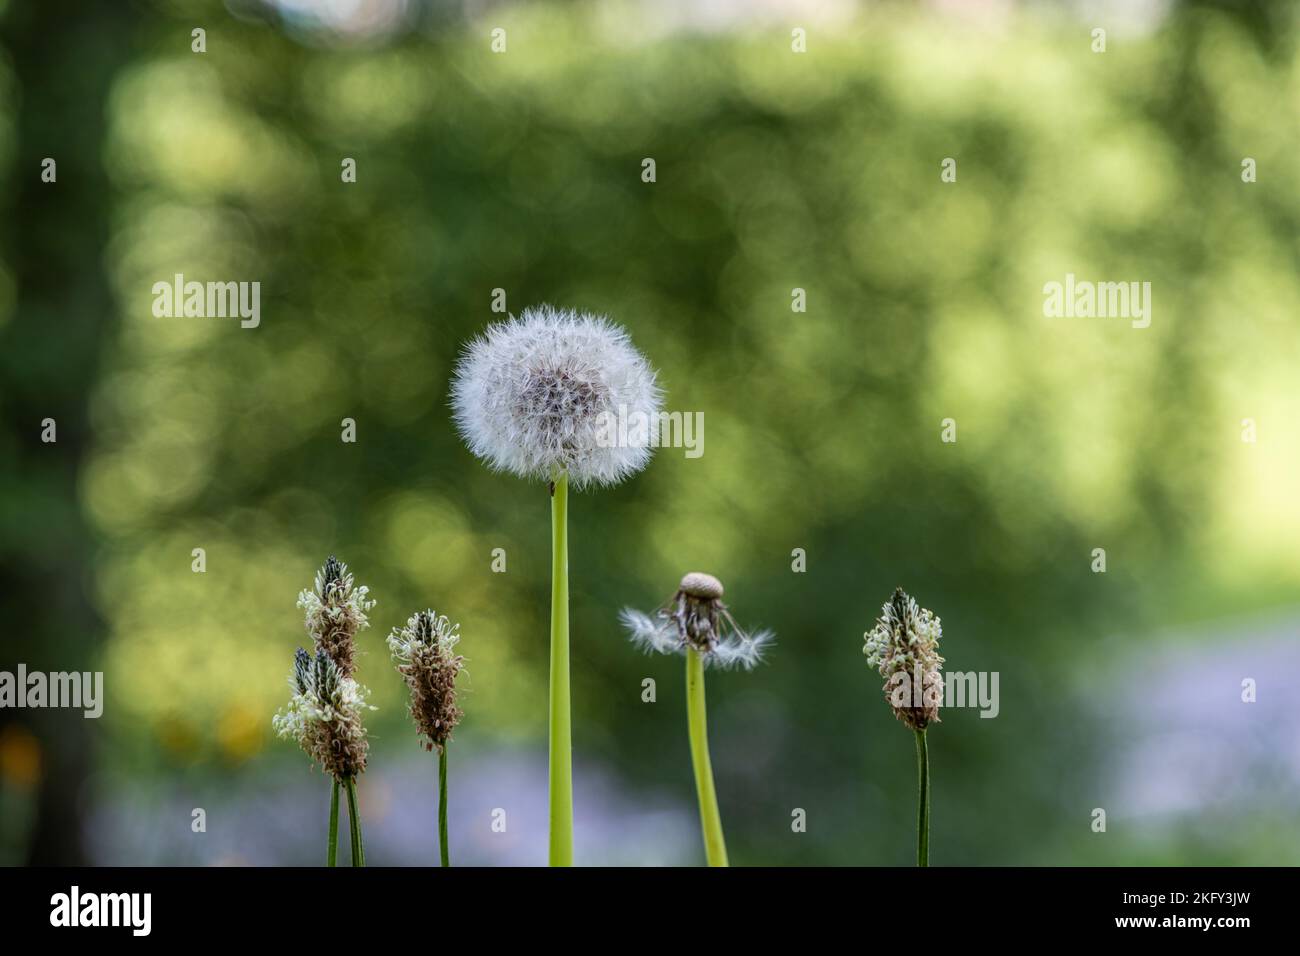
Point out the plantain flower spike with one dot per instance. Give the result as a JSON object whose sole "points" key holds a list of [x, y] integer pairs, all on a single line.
{"points": [[424, 655], [904, 647], [324, 716], [335, 613]]}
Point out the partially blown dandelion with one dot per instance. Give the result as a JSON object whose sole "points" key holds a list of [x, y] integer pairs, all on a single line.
{"points": [[423, 652], [904, 647], [696, 623], [540, 396], [696, 619], [324, 718]]}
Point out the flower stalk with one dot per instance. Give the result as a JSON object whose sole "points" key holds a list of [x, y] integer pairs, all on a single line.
{"points": [[561, 730], [332, 849], [444, 856], [354, 823], [715, 846], [922, 800]]}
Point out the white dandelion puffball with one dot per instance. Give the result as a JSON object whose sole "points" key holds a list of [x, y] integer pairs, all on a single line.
{"points": [[555, 391]]}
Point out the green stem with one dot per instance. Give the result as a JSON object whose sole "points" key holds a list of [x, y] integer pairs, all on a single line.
{"points": [[354, 822], [561, 769], [442, 805], [715, 848], [923, 801], [332, 854]]}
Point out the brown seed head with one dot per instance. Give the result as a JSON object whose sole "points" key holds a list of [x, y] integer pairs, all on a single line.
{"points": [[697, 584]]}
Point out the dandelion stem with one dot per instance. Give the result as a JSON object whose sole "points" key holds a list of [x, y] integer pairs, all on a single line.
{"points": [[715, 847], [354, 821], [923, 801], [332, 854], [561, 769], [442, 805]]}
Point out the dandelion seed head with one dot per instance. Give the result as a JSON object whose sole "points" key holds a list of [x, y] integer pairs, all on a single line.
{"points": [[535, 396], [701, 585]]}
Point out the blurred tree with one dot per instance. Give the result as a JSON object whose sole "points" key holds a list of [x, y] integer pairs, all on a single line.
{"points": [[61, 57]]}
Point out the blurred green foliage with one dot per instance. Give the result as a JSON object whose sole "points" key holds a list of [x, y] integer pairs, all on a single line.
{"points": [[775, 171]]}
